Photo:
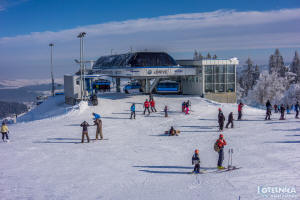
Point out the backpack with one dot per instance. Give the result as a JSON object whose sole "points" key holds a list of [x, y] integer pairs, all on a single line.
{"points": [[216, 147]]}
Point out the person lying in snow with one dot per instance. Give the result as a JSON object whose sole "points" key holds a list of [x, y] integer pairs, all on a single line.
{"points": [[172, 132]]}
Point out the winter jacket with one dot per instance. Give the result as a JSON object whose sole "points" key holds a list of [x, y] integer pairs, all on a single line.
{"points": [[84, 126], [221, 117], [146, 104], [282, 109], [132, 108], [230, 117], [196, 159], [268, 104], [96, 116], [152, 103], [240, 107], [297, 106], [221, 143], [4, 129]]}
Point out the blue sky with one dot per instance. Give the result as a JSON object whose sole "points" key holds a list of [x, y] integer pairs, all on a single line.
{"points": [[228, 28]]}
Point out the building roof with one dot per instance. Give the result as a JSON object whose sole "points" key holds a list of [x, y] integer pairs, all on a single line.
{"points": [[137, 59]]}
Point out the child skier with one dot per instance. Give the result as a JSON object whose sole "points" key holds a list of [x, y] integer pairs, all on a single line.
{"points": [[4, 131], [152, 105], [282, 109], [221, 119], [196, 161], [297, 110], [230, 120], [85, 126], [146, 105], [166, 111], [187, 109], [132, 109]]}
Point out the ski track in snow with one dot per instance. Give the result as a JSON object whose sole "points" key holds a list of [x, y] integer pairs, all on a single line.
{"points": [[45, 159]]}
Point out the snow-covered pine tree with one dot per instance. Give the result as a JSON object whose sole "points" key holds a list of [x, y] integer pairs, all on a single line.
{"points": [[200, 56], [276, 64], [248, 77], [195, 55], [269, 86], [208, 56], [295, 67]]}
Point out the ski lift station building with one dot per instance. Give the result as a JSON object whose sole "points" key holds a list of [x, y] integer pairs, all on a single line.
{"points": [[214, 79]]}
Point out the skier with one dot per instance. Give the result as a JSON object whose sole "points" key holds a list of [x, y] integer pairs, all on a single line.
{"points": [[85, 126], [276, 108], [268, 110], [221, 119], [173, 132], [132, 109], [230, 120], [98, 123], [152, 105], [166, 111], [297, 110], [196, 161], [288, 109], [183, 107], [189, 104], [240, 108], [4, 131], [220, 143], [187, 109], [146, 106], [282, 109]]}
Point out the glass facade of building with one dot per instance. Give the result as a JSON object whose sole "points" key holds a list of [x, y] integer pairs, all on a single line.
{"points": [[219, 78]]}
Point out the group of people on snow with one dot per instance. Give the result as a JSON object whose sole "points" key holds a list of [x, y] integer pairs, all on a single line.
{"points": [[185, 107], [281, 108], [97, 123], [218, 147]]}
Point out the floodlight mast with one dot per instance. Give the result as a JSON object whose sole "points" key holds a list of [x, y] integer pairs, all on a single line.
{"points": [[51, 66], [82, 71]]}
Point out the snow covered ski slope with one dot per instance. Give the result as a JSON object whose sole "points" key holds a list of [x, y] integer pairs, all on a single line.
{"points": [[45, 159]]}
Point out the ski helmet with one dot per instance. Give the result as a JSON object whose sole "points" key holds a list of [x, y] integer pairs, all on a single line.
{"points": [[221, 136], [197, 151], [220, 109]]}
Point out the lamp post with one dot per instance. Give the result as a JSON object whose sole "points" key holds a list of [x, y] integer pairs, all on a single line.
{"points": [[82, 93], [51, 65]]}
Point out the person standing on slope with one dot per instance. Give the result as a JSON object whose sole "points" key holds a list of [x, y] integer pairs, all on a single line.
{"points": [[98, 124], [152, 105], [268, 110], [297, 110], [240, 108], [282, 109], [187, 109], [221, 119], [132, 109], [220, 145], [146, 106], [4, 131], [196, 161], [230, 120], [276, 108], [166, 111], [85, 126], [288, 109]]}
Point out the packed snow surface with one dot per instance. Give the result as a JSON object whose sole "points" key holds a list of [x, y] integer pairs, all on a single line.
{"points": [[45, 159]]}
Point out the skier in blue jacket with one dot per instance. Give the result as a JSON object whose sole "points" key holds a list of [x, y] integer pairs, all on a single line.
{"points": [[132, 109]]}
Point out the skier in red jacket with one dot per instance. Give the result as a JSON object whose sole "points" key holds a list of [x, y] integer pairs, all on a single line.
{"points": [[221, 143], [152, 105], [240, 108], [146, 106]]}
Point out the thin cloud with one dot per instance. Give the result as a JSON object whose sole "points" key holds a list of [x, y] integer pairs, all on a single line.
{"points": [[209, 31]]}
